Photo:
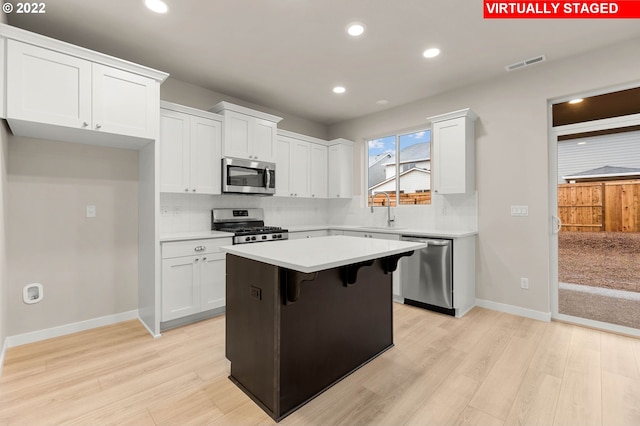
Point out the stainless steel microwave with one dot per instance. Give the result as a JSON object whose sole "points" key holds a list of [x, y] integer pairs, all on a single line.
{"points": [[248, 176]]}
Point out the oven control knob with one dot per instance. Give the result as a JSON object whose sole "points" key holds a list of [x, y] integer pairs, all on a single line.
{"points": [[247, 239], [264, 237], [253, 238]]}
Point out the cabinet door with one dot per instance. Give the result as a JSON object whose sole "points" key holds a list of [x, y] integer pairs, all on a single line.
{"points": [[124, 103], [449, 156], [263, 134], [47, 87], [174, 151], [300, 172], [180, 287], [236, 135], [206, 156], [283, 167], [212, 281], [340, 171], [318, 171]]}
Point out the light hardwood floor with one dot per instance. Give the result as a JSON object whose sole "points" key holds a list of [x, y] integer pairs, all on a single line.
{"points": [[488, 368]]}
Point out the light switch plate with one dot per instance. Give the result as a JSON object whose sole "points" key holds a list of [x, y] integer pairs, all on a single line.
{"points": [[519, 210], [91, 211]]}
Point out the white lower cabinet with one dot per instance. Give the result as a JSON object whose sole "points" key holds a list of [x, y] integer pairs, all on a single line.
{"points": [[193, 277], [381, 236], [308, 234]]}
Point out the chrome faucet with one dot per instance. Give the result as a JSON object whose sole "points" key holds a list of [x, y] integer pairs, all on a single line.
{"points": [[390, 219]]}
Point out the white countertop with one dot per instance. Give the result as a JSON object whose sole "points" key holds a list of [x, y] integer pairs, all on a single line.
{"points": [[435, 233], [438, 233], [197, 235], [317, 254]]}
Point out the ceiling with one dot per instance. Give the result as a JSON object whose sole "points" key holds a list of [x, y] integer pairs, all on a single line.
{"points": [[289, 54]]}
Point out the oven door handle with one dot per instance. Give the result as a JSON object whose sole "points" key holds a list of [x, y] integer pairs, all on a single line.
{"points": [[267, 178]]}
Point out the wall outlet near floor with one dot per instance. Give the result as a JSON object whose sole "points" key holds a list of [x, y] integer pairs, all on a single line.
{"points": [[524, 283]]}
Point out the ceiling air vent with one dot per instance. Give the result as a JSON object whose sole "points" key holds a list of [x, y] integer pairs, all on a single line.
{"points": [[526, 63]]}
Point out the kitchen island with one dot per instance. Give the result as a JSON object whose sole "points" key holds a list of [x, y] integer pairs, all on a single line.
{"points": [[303, 314]]}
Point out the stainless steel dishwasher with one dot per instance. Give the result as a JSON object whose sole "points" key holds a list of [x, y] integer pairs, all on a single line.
{"points": [[426, 277]]}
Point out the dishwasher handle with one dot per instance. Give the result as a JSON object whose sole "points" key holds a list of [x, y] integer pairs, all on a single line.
{"points": [[428, 241]]}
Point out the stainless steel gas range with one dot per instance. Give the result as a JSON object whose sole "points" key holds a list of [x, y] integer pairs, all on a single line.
{"points": [[247, 225]]}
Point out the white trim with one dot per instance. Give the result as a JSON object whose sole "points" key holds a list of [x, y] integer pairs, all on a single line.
{"points": [[595, 125], [154, 335], [300, 136], [62, 330], [467, 112], [610, 175], [514, 310], [603, 326], [23, 36], [222, 107], [3, 354], [189, 110]]}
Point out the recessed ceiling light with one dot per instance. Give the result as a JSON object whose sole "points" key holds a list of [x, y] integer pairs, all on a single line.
{"points": [[339, 89], [575, 101], [157, 6], [431, 53], [382, 102], [582, 143], [355, 29]]}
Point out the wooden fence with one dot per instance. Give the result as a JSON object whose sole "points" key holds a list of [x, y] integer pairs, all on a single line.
{"points": [[410, 198], [612, 206]]}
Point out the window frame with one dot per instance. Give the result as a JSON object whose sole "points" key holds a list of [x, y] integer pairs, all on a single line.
{"points": [[397, 134]]}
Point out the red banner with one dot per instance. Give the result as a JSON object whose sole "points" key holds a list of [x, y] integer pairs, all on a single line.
{"points": [[623, 9]]}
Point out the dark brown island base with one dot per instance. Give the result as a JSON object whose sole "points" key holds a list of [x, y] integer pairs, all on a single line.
{"points": [[290, 335]]}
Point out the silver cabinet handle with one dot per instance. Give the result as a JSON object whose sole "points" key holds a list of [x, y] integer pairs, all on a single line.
{"points": [[98, 126], [204, 258], [194, 190], [186, 189], [197, 260], [85, 124], [200, 248]]}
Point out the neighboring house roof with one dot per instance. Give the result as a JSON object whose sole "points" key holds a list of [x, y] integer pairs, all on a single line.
{"points": [[413, 169], [605, 172], [376, 169], [416, 152], [373, 159]]}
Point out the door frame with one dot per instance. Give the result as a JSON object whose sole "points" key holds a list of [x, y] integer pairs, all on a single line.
{"points": [[553, 134]]}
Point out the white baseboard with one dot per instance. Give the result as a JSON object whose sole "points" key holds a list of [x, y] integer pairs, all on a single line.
{"points": [[36, 336], [514, 310], [5, 346], [144, 324]]}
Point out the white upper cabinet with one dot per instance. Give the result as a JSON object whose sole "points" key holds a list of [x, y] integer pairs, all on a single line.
{"points": [[190, 150], [301, 166], [58, 91], [453, 152], [318, 168], [248, 134], [341, 169]]}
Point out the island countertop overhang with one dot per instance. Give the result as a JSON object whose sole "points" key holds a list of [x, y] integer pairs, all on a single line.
{"points": [[317, 254]]}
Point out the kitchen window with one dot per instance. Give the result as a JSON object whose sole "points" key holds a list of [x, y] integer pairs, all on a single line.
{"points": [[400, 166]]}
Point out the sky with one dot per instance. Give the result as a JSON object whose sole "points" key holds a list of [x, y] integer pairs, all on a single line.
{"points": [[388, 143]]}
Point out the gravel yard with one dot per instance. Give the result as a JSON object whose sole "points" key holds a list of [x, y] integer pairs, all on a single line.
{"points": [[600, 259]]}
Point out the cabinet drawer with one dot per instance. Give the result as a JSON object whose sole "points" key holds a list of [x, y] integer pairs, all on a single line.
{"points": [[193, 247]]}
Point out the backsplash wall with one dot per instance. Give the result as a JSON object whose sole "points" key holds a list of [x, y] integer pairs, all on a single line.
{"points": [[192, 212]]}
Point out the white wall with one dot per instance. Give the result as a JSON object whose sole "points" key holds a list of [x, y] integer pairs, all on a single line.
{"points": [[87, 266], [3, 252], [183, 93], [511, 161]]}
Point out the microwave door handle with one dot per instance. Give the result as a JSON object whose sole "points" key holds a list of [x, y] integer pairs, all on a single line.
{"points": [[267, 178]]}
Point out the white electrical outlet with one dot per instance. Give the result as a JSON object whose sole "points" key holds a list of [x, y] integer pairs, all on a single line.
{"points": [[524, 283], [519, 210], [91, 211]]}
